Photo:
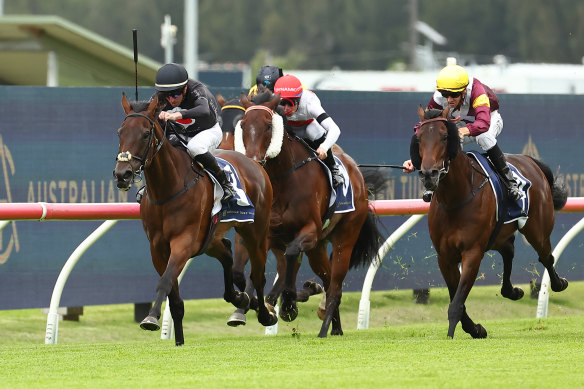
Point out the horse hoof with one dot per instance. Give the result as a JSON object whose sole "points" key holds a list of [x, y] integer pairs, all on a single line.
{"points": [[271, 320], [236, 319], [514, 293], [480, 332], [150, 323], [289, 314], [314, 287], [242, 301], [561, 285]]}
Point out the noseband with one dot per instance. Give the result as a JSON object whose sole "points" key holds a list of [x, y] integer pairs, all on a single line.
{"points": [[126, 156]]}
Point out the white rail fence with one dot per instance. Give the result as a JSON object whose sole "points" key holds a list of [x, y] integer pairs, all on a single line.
{"points": [[113, 212]]}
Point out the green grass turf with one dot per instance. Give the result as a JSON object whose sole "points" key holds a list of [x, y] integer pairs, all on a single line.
{"points": [[406, 346]]}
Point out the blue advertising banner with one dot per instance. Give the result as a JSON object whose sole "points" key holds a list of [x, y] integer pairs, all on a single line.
{"points": [[58, 145]]}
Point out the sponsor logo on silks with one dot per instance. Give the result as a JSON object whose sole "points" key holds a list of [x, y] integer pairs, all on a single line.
{"points": [[185, 122]]}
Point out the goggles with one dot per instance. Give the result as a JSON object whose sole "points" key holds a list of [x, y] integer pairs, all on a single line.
{"points": [[446, 94], [288, 105], [175, 94]]}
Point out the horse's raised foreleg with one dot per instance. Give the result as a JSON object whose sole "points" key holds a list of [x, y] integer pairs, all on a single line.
{"points": [[321, 266], [507, 251]]}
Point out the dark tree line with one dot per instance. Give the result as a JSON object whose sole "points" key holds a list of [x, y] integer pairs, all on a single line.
{"points": [[349, 34]]}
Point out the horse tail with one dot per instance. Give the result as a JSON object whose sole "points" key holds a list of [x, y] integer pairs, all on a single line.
{"points": [[557, 185], [368, 242], [375, 180]]}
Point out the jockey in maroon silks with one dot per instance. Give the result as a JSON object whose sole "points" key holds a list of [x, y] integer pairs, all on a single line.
{"points": [[476, 107]]}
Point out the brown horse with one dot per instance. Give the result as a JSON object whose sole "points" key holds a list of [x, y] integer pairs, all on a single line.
{"points": [[231, 112], [301, 198], [176, 212], [462, 218]]}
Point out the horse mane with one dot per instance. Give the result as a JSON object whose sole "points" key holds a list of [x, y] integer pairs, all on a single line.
{"points": [[139, 106]]}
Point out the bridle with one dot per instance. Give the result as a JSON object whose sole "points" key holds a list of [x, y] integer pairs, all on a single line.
{"points": [[446, 168], [443, 171], [126, 156], [277, 135]]}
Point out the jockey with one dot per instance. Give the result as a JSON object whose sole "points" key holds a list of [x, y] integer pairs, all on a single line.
{"points": [[192, 111], [309, 121], [267, 76], [477, 106]]}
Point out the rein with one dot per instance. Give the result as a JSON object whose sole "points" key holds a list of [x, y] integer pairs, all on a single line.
{"points": [[472, 194], [126, 156]]}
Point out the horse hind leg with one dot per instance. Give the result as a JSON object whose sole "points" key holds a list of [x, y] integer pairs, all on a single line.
{"points": [[557, 283], [544, 250], [238, 318], [221, 250], [507, 251], [477, 331]]}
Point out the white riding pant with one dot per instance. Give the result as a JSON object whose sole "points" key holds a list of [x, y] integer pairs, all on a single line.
{"points": [[488, 139], [205, 141]]}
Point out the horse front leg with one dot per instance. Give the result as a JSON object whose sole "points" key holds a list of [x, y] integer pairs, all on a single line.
{"points": [[459, 286], [240, 259], [177, 311], [279, 283], [341, 257]]}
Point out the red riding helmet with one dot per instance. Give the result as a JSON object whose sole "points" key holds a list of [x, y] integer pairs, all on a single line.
{"points": [[290, 90], [288, 86]]}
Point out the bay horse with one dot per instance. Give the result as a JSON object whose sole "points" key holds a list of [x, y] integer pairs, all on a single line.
{"points": [[301, 200], [231, 112], [176, 212], [462, 216]]}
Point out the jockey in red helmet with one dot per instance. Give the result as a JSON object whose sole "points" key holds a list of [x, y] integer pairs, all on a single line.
{"points": [[309, 121]]}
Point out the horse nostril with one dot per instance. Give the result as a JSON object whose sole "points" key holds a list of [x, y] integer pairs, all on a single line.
{"points": [[127, 175]]}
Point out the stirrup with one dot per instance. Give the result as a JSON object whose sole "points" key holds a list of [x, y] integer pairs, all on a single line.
{"points": [[228, 193], [427, 196], [139, 194], [514, 193], [338, 178]]}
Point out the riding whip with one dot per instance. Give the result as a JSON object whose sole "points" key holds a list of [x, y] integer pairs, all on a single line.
{"points": [[135, 36]]}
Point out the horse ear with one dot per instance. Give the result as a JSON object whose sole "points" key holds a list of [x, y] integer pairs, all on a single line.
{"points": [[220, 99], [126, 104], [273, 103], [151, 110], [245, 103], [421, 113]]}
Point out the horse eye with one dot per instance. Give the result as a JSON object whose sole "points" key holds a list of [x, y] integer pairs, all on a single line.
{"points": [[444, 138], [146, 135]]}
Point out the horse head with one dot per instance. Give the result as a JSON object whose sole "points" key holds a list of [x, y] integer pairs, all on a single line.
{"points": [[137, 141], [434, 145], [260, 133]]}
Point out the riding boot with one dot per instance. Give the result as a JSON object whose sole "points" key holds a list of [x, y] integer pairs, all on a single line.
{"points": [[500, 163], [329, 161], [210, 163]]}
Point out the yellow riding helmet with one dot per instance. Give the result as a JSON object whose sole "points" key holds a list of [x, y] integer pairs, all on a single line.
{"points": [[452, 78]]}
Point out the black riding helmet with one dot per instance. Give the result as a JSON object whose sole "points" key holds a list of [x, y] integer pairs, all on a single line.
{"points": [[171, 76], [268, 75]]}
